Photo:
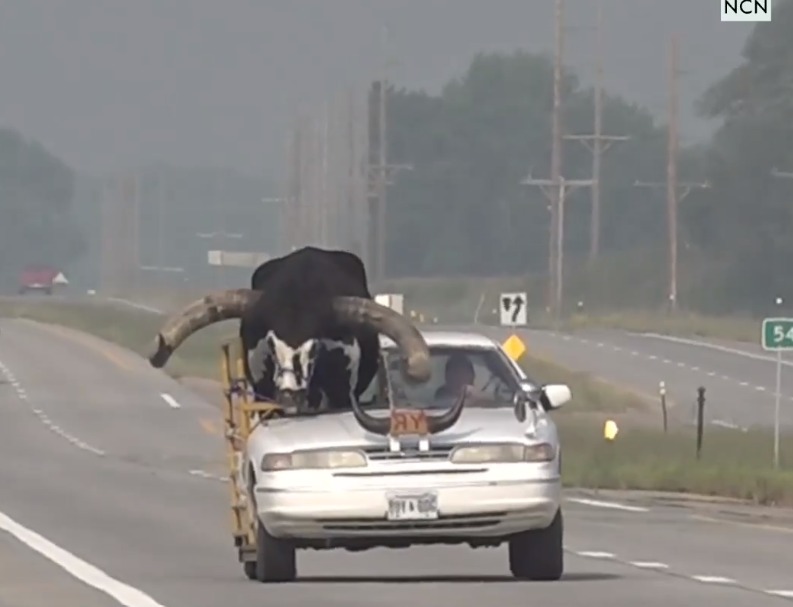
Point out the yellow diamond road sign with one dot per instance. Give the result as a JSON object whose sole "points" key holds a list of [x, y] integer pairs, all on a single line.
{"points": [[514, 347]]}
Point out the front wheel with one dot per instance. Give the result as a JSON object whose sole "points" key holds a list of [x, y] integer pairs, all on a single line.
{"points": [[275, 558], [538, 554]]}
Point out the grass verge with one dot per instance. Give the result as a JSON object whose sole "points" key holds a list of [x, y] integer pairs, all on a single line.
{"points": [[681, 324], [733, 463], [130, 328]]}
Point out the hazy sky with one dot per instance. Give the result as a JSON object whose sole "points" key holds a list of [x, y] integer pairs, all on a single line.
{"points": [[106, 84]]}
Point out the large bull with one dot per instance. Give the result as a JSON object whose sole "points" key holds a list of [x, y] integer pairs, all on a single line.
{"points": [[310, 329]]}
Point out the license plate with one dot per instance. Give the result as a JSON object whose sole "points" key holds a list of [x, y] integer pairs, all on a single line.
{"points": [[413, 507]]}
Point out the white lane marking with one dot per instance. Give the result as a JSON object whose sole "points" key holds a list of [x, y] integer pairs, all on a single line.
{"points": [[681, 364], [610, 505], [44, 418], [703, 344], [711, 373], [695, 368], [80, 569], [208, 475], [652, 357], [137, 306], [743, 384], [759, 388], [729, 425], [787, 594], [172, 403], [713, 579], [634, 353], [666, 361], [596, 555], [649, 564]]}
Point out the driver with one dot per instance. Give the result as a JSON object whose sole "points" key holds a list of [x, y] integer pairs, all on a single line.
{"points": [[459, 372]]}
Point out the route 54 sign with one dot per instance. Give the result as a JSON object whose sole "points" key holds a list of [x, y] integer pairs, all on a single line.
{"points": [[512, 308], [777, 334]]}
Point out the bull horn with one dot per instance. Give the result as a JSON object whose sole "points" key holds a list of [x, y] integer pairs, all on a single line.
{"points": [[439, 423], [370, 423], [435, 423], [415, 352], [203, 312]]}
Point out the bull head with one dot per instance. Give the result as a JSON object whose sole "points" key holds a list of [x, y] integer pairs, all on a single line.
{"points": [[234, 303]]}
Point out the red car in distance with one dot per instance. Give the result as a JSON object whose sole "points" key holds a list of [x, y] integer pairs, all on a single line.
{"points": [[37, 278]]}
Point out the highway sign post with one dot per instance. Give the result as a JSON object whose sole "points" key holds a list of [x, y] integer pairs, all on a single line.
{"points": [[512, 308], [777, 336]]}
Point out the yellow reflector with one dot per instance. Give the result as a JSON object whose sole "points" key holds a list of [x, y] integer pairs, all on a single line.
{"points": [[514, 347], [610, 430]]}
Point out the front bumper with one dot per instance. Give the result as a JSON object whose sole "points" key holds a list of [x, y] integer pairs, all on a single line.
{"points": [[478, 509]]}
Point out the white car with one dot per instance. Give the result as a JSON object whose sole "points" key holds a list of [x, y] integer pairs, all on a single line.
{"points": [[324, 482]]}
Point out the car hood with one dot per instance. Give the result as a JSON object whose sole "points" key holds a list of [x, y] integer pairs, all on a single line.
{"points": [[340, 429]]}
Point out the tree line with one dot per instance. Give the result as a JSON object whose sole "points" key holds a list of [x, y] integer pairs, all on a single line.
{"points": [[466, 212]]}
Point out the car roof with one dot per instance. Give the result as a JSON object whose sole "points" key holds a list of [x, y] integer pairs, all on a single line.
{"points": [[454, 339]]}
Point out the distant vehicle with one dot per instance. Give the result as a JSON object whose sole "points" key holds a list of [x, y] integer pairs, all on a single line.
{"points": [[37, 278]]}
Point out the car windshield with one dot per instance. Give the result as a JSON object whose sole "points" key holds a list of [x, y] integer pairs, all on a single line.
{"points": [[487, 370]]}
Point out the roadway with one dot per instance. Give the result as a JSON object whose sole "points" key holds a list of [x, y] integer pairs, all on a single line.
{"points": [[739, 379], [112, 496]]}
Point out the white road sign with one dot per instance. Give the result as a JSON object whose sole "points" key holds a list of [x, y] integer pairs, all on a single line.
{"points": [[60, 279], [512, 308], [395, 301]]}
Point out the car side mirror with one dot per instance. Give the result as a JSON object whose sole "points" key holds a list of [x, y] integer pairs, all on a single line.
{"points": [[555, 395], [519, 408]]}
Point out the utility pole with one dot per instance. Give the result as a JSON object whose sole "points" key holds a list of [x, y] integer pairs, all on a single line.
{"points": [[557, 190], [556, 156], [161, 279], [597, 143], [676, 192], [381, 175], [350, 203], [324, 198]]}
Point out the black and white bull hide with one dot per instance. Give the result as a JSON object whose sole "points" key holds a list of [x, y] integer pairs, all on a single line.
{"points": [[309, 327]]}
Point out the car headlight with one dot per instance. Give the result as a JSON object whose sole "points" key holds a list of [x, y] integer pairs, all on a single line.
{"points": [[305, 460], [503, 453]]}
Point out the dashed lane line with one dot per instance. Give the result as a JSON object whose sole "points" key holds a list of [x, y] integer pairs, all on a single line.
{"points": [[682, 365], [608, 505], [22, 395], [666, 569]]}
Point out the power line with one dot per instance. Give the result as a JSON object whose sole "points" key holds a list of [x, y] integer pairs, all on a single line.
{"points": [[556, 156], [557, 190], [597, 142], [676, 192]]}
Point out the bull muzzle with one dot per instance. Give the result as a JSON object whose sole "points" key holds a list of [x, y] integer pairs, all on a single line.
{"points": [[293, 399]]}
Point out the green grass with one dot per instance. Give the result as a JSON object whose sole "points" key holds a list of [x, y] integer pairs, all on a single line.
{"points": [[681, 324], [590, 394], [459, 300], [733, 464], [130, 328]]}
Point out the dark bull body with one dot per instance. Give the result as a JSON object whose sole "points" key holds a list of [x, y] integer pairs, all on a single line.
{"points": [[309, 327]]}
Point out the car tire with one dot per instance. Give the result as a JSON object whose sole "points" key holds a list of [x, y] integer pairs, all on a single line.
{"points": [[276, 560], [538, 554]]}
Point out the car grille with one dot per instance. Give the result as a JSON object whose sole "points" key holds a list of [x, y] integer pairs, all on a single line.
{"points": [[383, 454], [458, 522]]}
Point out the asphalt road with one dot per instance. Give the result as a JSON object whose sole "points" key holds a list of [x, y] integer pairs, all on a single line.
{"points": [[739, 379], [110, 495]]}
